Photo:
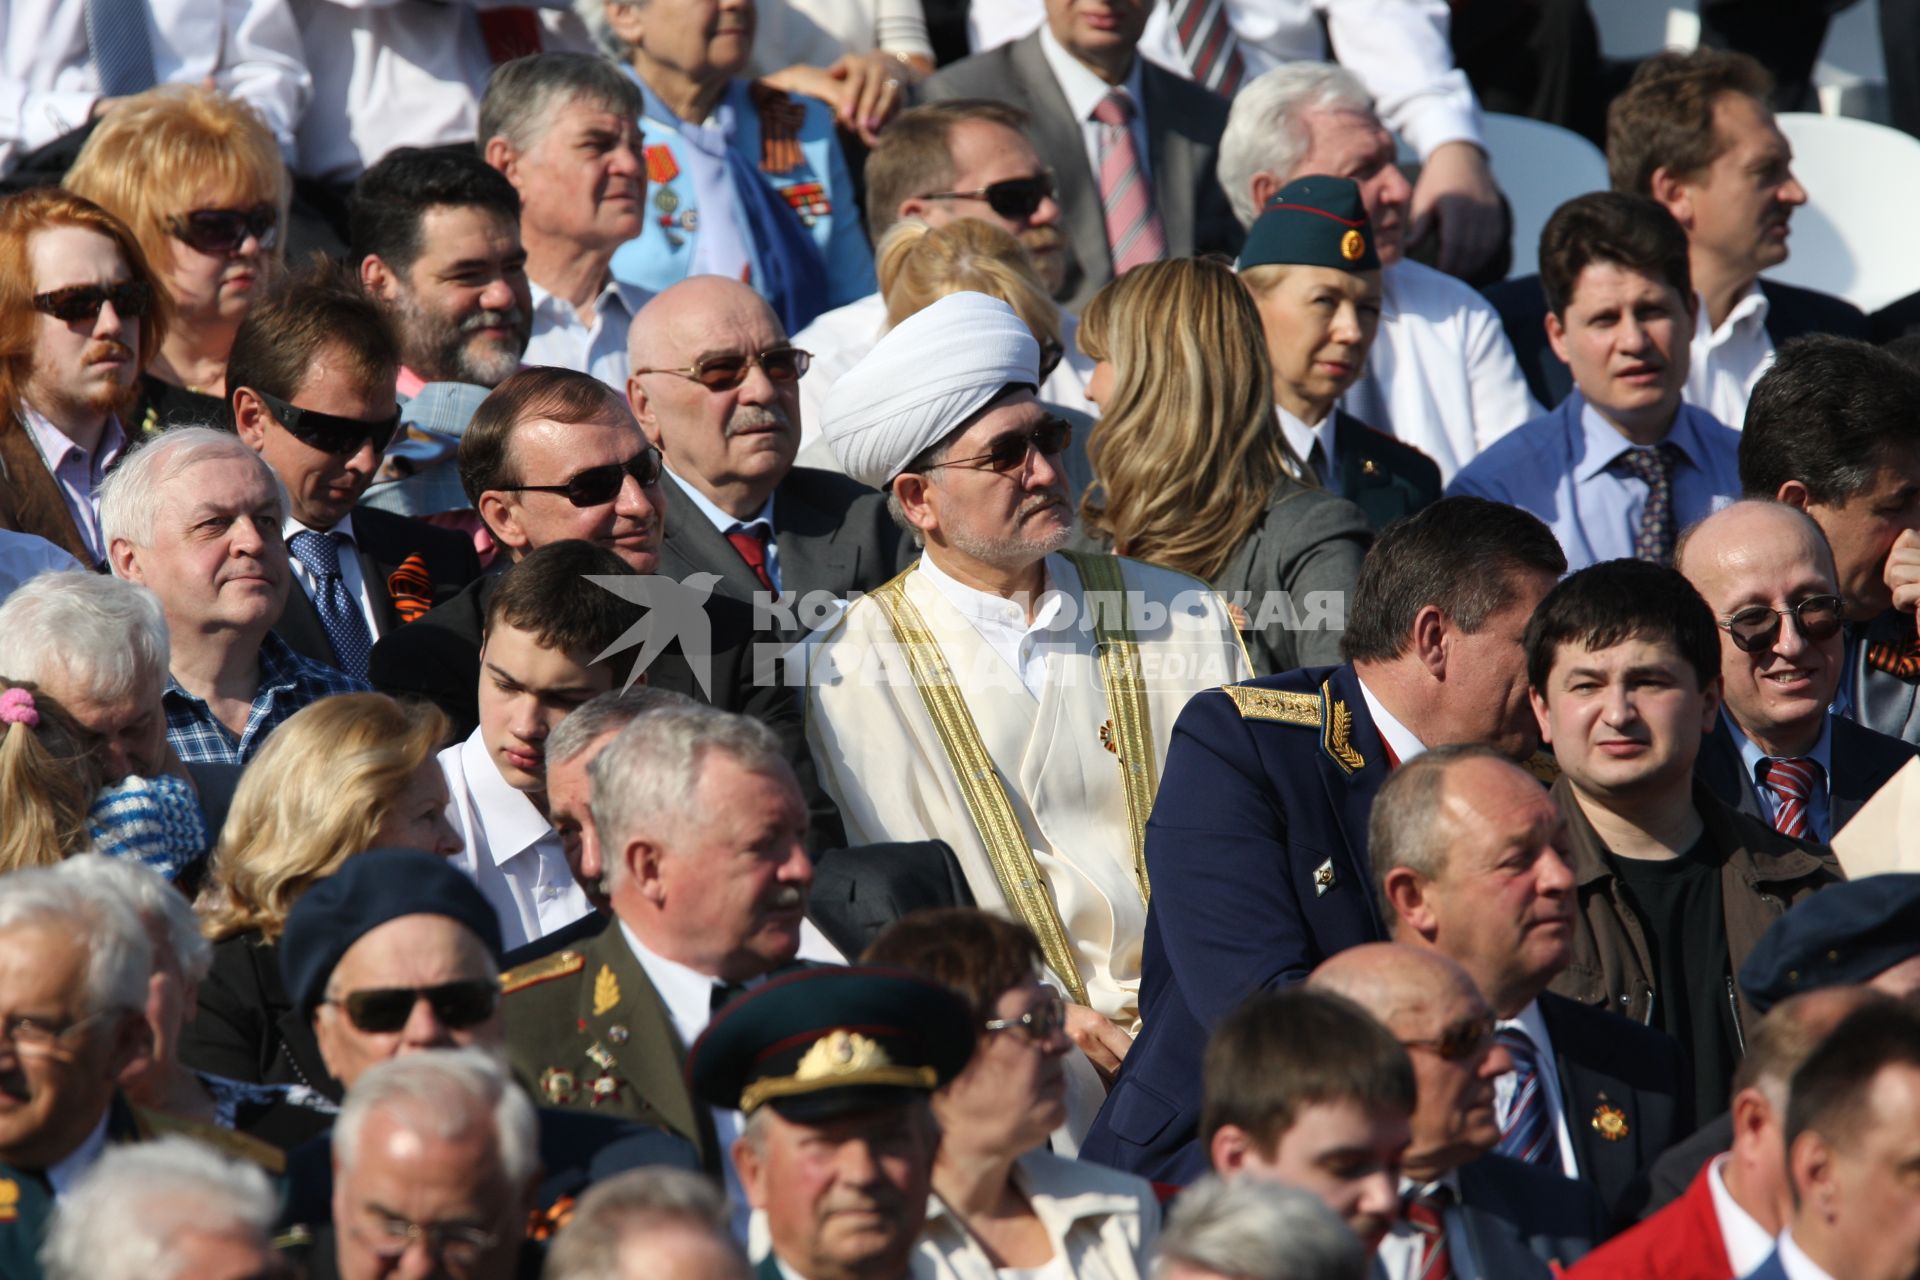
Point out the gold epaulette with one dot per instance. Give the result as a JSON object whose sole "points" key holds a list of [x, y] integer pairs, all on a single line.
{"points": [[560, 964], [158, 1124], [1283, 705], [1542, 765]]}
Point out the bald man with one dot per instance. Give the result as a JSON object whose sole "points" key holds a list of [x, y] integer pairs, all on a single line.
{"points": [[716, 385], [1494, 1216], [1766, 571]]}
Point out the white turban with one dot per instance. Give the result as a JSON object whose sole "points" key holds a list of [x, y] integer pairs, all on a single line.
{"points": [[936, 369]]}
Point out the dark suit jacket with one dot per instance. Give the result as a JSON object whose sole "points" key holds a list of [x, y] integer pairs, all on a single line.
{"points": [[1611, 1061], [1183, 126], [1792, 312], [1519, 1223], [833, 535], [1680, 1164], [1863, 762], [383, 541], [1384, 477], [1257, 849]]}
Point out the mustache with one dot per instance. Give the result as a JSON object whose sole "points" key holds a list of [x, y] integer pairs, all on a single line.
{"points": [[786, 898], [512, 319], [1037, 239], [106, 348], [755, 417]]}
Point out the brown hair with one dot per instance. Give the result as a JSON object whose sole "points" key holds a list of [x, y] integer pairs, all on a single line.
{"points": [[318, 306], [1664, 118], [545, 594], [977, 955], [914, 154], [1631, 232], [562, 395], [1282, 1051], [48, 781]]}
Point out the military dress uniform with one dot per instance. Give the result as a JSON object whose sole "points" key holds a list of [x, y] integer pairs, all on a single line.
{"points": [[801, 229]]}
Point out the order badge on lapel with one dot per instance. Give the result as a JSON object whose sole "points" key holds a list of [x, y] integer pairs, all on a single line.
{"points": [[1610, 1122], [1323, 878]]}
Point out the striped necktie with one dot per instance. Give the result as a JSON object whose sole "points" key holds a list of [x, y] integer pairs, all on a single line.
{"points": [[1208, 43], [1134, 233], [1529, 1133], [1427, 1215], [1792, 780]]}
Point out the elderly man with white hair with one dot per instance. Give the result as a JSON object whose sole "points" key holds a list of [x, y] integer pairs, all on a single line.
{"points": [[196, 517], [1253, 1229], [648, 1223], [167, 1210], [979, 697], [1442, 375]]}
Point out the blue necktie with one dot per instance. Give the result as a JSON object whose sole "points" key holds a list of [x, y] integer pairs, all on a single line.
{"points": [[122, 53], [340, 615], [1529, 1132]]}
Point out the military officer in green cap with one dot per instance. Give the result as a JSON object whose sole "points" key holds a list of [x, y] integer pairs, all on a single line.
{"points": [[832, 1068], [1313, 269]]}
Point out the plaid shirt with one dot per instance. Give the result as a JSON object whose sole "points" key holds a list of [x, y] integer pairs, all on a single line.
{"points": [[288, 682]]}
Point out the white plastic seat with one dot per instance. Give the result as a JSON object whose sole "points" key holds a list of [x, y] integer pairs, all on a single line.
{"points": [[1854, 236], [1539, 166]]}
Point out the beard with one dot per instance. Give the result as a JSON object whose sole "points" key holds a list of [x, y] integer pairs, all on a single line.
{"points": [[1050, 254], [440, 348], [1019, 549], [70, 397]]}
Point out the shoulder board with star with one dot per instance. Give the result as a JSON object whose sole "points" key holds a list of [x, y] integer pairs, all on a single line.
{"points": [[158, 1124], [560, 964], [1283, 705]]}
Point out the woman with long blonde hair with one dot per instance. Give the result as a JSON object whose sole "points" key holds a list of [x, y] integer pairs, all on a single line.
{"points": [[346, 774], [1193, 471]]}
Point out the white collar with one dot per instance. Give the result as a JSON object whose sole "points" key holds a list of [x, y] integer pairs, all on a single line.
{"points": [[985, 606], [687, 993], [1747, 315], [1083, 89], [1530, 1021], [1795, 1262], [624, 297], [1303, 437], [508, 820], [1748, 1243], [719, 519], [65, 1172], [1400, 740], [292, 525]]}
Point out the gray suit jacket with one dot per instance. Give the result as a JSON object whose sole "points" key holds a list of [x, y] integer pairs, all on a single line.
{"points": [[1183, 122], [1310, 541]]}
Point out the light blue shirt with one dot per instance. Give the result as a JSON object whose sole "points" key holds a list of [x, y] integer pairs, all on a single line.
{"points": [[560, 340], [1558, 467], [1819, 804], [726, 524]]}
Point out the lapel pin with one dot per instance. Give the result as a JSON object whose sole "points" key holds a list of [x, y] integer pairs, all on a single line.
{"points": [[1610, 1122], [1323, 878]]}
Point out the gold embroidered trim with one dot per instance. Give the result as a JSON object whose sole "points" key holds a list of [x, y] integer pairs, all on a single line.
{"points": [[1336, 735], [1283, 705], [837, 1059], [1126, 689]]}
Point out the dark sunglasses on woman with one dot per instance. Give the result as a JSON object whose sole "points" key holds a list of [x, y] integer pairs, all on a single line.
{"points": [[216, 231]]}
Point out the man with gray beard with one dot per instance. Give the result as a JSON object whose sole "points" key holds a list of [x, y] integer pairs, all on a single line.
{"points": [[716, 386]]}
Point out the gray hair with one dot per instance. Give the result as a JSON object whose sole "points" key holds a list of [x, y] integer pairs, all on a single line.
{"points": [[648, 773], [1253, 1229], [606, 713], [98, 630], [119, 954], [164, 910], [1404, 827], [593, 16], [1267, 129], [614, 1211], [446, 1094], [132, 495], [122, 1218], [524, 95]]}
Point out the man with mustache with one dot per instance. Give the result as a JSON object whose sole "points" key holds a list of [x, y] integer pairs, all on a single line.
{"points": [[564, 128], [1469, 854], [75, 283], [968, 698], [1624, 463], [1470, 1212], [1693, 132], [1672, 889], [716, 387], [703, 835]]}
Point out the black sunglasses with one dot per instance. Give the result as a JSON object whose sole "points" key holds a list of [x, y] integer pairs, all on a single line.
{"points": [[1463, 1040], [457, 1005], [1009, 452], [1013, 198], [82, 302], [328, 432], [597, 486], [225, 230], [1756, 628], [724, 373]]}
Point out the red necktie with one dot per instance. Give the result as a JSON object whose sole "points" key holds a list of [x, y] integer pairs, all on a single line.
{"points": [[1426, 1214], [1792, 780], [751, 542]]}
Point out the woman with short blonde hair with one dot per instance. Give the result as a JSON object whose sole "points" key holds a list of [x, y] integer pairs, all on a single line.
{"points": [[917, 265], [1192, 468], [199, 178]]}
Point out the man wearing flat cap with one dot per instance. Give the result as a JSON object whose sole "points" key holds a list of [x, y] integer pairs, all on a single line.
{"points": [[833, 1068], [1002, 696]]}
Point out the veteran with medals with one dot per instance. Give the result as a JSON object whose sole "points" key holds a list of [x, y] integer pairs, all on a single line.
{"points": [[1002, 696]]}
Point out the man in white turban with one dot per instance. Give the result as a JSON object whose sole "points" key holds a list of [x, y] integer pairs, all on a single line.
{"points": [[977, 697]]}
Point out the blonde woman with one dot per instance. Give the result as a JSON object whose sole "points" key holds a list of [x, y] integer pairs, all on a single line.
{"points": [[347, 774], [199, 179], [1193, 470]]}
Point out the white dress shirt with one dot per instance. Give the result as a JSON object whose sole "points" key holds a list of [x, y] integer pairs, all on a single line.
{"points": [[512, 851], [1441, 375], [1002, 623], [1399, 739], [815, 33], [1530, 1021], [560, 340], [1303, 438], [725, 523], [1400, 49], [350, 575], [1084, 91], [48, 84], [1398, 1257], [64, 1174], [1795, 1262], [1727, 361], [1748, 1244]]}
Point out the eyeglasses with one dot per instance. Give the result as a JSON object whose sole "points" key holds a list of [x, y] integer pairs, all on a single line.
{"points": [[724, 373], [457, 1005], [329, 432], [1464, 1039], [597, 486], [460, 1245], [1756, 628], [82, 302], [35, 1037], [1012, 198], [225, 230], [1009, 452], [1038, 1024]]}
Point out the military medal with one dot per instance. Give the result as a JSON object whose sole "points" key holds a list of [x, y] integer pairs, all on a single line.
{"points": [[1323, 878], [667, 203], [1610, 1122], [605, 1089], [617, 1034], [558, 1086]]}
